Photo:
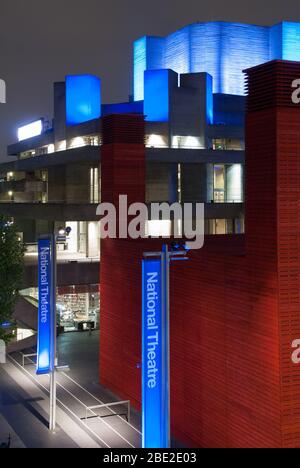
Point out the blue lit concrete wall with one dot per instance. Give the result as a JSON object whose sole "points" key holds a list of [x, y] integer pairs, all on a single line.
{"points": [[291, 41], [83, 98], [285, 41], [148, 54], [157, 95], [221, 49]]}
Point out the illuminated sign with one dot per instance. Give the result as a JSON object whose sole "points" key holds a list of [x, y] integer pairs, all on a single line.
{"points": [[45, 361], [31, 130], [83, 98], [154, 370]]}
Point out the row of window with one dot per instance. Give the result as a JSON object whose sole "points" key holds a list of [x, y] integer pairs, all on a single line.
{"points": [[192, 142], [152, 141], [78, 142]]}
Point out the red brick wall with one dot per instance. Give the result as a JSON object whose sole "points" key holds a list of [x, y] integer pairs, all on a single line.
{"points": [[235, 306], [223, 384]]}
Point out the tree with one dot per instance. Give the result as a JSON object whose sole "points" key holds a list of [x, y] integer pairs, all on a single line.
{"points": [[11, 272]]}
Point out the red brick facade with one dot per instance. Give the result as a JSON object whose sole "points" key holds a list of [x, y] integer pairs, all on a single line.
{"points": [[235, 306]]}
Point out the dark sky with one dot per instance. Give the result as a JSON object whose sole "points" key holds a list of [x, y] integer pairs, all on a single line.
{"points": [[42, 41]]}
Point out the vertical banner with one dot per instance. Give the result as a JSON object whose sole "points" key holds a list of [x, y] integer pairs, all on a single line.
{"points": [[154, 369], [44, 340]]}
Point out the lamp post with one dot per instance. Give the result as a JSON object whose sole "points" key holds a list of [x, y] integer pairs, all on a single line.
{"points": [[47, 352], [52, 421]]}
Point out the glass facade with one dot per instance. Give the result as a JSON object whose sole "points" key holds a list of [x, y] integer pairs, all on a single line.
{"points": [[77, 307], [228, 183]]}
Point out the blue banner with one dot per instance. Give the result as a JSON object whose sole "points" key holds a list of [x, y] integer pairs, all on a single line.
{"points": [[44, 340], [154, 372]]}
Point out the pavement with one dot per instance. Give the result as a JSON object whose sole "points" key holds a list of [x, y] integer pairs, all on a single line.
{"points": [[24, 402]]}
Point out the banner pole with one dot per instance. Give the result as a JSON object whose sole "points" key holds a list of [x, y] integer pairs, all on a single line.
{"points": [[166, 333], [53, 338]]}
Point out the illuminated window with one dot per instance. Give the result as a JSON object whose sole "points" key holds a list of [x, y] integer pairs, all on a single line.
{"points": [[219, 183], [61, 145], [44, 176], [186, 142], [156, 141], [158, 228], [27, 154], [234, 183], [227, 144], [94, 185], [77, 142], [179, 183], [228, 183], [51, 149], [225, 226], [91, 140]]}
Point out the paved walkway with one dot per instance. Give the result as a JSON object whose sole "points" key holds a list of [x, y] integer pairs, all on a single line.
{"points": [[27, 411]]}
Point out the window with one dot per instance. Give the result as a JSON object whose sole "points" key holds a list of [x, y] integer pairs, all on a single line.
{"points": [[219, 183], [94, 185], [90, 140], [156, 141], [227, 144], [228, 183], [225, 226], [186, 142]]}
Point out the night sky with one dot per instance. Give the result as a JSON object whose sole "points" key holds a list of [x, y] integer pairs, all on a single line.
{"points": [[42, 41]]}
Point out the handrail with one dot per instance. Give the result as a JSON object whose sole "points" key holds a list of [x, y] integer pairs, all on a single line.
{"points": [[107, 405], [26, 356]]}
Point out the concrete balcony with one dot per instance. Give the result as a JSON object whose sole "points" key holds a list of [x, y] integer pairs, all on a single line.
{"points": [[194, 156], [77, 273], [86, 154], [23, 186], [51, 211], [224, 210]]}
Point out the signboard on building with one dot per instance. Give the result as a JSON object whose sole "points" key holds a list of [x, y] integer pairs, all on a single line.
{"points": [[31, 130]]}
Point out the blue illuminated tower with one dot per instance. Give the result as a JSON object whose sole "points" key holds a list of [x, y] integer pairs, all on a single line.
{"points": [[221, 49]]}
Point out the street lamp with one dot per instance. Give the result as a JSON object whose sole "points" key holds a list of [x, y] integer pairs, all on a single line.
{"points": [[61, 235], [47, 357]]}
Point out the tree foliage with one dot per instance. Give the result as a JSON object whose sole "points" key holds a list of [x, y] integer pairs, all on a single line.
{"points": [[11, 271]]}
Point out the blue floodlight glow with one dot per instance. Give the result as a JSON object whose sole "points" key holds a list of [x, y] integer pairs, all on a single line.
{"points": [[156, 102], [291, 41], [221, 49], [148, 54], [83, 98], [140, 65], [285, 41], [209, 101], [6, 325]]}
